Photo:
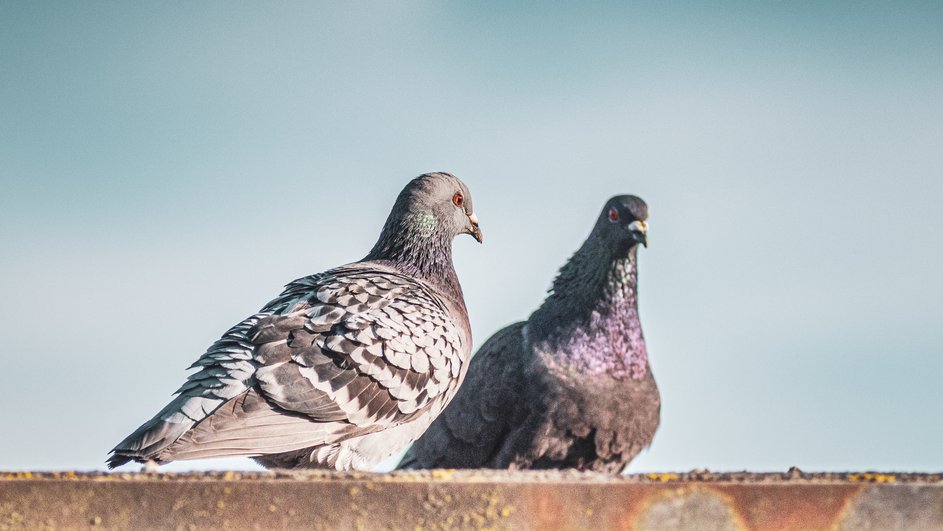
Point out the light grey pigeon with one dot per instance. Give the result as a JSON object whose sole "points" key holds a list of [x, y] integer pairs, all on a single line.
{"points": [[571, 386], [345, 367]]}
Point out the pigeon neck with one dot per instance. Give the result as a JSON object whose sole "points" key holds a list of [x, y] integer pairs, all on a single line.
{"points": [[418, 249], [591, 318]]}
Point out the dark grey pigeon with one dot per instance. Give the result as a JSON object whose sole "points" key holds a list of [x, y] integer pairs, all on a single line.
{"points": [[345, 367], [570, 387]]}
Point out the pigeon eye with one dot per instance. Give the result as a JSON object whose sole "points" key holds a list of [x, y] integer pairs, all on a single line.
{"points": [[613, 214], [458, 199]]}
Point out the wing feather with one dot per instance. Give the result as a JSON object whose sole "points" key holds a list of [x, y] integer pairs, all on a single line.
{"points": [[337, 355]]}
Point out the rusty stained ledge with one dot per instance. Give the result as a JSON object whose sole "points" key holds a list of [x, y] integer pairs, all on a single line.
{"points": [[470, 499]]}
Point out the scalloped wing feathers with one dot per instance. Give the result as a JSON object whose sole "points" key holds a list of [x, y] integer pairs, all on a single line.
{"points": [[338, 356]]}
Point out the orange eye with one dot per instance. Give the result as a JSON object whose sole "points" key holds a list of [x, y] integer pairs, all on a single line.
{"points": [[613, 214], [458, 199]]}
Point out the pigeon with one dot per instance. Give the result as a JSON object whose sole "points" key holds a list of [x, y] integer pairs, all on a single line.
{"points": [[571, 387], [345, 367]]}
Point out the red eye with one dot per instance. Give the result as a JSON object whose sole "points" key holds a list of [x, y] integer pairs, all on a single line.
{"points": [[613, 214], [458, 199]]}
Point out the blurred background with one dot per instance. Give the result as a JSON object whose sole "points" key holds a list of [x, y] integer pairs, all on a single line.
{"points": [[166, 167]]}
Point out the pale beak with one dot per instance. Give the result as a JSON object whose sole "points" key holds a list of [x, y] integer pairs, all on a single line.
{"points": [[639, 230], [473, 229]]}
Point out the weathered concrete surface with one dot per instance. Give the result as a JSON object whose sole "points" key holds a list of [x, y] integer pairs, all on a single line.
{"points": [[470, 500]]}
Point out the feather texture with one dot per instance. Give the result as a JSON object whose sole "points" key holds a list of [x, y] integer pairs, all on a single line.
{"points": [[330, 372], [570, 387]]}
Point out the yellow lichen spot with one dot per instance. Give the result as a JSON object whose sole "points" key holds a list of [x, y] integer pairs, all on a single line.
{"points": [[662, 477], [872, 478], [588, 512], [505, 511], [446, 473], [220, 504], [272, 508], [354, 491]]}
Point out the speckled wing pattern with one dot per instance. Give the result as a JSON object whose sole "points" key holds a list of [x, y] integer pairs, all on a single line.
{"points": [[340, 354], [482, 423], [373, 349]]}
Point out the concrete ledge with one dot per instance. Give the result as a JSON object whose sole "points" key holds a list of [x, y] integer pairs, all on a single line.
{"points": [[446, 499]]}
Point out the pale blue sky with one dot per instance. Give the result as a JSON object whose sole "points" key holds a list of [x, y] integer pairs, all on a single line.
{"points": [[166, 167]]}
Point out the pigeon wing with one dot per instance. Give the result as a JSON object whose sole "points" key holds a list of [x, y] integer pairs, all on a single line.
{"points": [[336, 355], [369, 348]]}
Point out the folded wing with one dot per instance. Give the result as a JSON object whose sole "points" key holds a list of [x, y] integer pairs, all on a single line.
{"points": [[341, 354]]}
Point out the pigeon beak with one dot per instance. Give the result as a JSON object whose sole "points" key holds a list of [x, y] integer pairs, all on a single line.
{"points": [[473, 229], [639, 232]]}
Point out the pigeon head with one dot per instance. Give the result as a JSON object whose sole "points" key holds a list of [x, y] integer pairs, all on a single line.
{"points": [[622, 224], [429, 213], [437, 204]]}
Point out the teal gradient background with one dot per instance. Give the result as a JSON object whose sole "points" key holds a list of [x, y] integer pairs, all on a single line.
{"points": [[166, 167]]}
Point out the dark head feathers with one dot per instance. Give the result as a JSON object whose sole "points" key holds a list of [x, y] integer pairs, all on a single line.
{"points": [[591, 271], [629, 206], [622, 224]]}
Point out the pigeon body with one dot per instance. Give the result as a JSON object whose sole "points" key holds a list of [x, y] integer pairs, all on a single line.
{"points": [[570, 387], [342, 369]]}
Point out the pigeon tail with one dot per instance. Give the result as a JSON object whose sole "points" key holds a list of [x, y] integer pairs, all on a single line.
{"points": [[148, 442]]}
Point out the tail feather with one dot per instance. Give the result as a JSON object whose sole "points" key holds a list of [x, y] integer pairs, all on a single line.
{"points": [[250, 426], [149, 441]]}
